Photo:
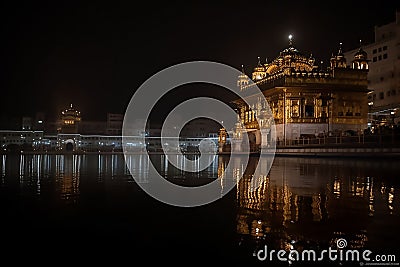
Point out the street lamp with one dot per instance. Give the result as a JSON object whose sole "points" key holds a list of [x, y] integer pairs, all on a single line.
{"points": [[370, 104], [392, 113]]}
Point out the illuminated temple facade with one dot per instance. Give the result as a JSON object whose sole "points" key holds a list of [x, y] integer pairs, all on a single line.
{"points": [[306, 100]]}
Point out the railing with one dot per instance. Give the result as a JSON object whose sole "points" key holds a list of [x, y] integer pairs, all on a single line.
{"points": [[361, 140]]}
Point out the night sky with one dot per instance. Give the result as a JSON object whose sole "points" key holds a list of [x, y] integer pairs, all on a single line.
{"points": [[96, 54]]}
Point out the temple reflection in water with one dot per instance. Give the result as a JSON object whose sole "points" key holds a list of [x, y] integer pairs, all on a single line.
{"points": [[303, 202]]}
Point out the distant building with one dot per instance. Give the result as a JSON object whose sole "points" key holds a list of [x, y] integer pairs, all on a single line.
{"points": [[27, 123], [93, 127], [114, 123], [37, 123], [384, 73], [200, 127], [14, 140], [40, 121]]}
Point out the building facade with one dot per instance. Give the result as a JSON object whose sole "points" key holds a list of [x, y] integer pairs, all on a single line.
{"points": [[384, 73], [16, 140], [304, 99]]}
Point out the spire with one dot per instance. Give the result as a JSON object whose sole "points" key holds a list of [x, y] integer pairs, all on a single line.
{"points": [[290, 40], [259, 62], [340, 52], [242, 68], [71, 105]]}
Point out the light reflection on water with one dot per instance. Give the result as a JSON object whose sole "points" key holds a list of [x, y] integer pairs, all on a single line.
{"points": [[306, 201]]}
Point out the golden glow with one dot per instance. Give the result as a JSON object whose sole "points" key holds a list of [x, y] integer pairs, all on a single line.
{"points": [[69, 122], [336, 188]]}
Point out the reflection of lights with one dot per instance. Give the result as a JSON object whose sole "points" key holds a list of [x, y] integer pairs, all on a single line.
{"points": [[257, 230], [383, 189], [336, 188], [390, 199]]}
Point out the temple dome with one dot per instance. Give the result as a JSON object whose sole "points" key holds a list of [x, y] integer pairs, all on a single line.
{"points": [[290, 58], [291, 50]]}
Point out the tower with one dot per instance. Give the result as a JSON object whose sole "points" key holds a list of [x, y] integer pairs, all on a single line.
{"points": [[259, 71], [243, 80], [360, 60], [338, 61]]}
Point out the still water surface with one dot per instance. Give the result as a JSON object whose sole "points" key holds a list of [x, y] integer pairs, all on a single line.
{"points": [[90, 207]]}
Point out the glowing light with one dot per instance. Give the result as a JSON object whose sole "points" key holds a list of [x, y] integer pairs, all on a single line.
{"points": [[290, 37]]}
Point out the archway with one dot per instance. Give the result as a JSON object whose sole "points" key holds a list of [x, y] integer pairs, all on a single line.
{"points": [[69, 145]]}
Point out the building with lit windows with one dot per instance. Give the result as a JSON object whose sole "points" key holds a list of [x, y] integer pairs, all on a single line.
{"points": [[14, 140], [304, 99], [384, 73], [70, 133]]}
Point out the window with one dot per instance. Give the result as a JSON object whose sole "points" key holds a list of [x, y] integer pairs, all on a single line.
{"points": [[393, 91], [295, 111], [381, 79], [380, 57], [384, 56], [381, 95], [388, 93], [374, 59], [380, 49], [374, 51], [384, 48], [309, 110]]}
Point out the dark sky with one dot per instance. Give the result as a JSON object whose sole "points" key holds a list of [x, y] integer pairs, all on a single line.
{"points": [[95, 54]]}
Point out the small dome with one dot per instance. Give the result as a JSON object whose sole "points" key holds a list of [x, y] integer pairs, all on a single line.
{"points": [[260, 67], [291, 50], [361, 54], [71, 111]]}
